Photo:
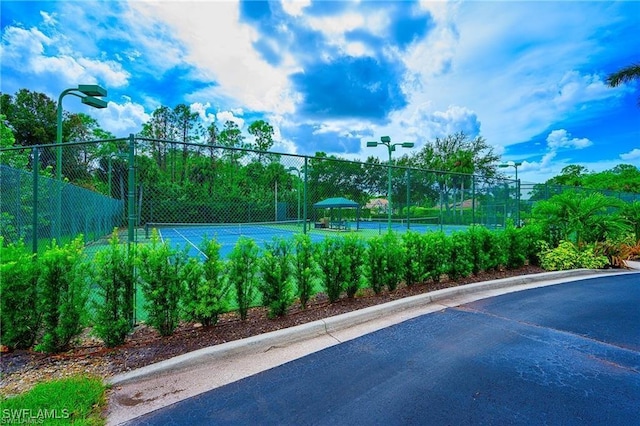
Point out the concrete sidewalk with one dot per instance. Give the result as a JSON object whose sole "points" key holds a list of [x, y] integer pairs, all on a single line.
{"points": [[149, 388]]}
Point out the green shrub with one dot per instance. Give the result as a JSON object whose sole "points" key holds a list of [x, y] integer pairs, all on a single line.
{"points": [[242, 270], [437, 255], [415, 245], [568, 256], [161, 274], [354, 251], [333, 265], [376, 264], [385, 264], [63, 293], [18, 302], [515, 247], [529, 236], [481, 247], [208, 288], [114, 276], [305, 268], [277, 275], [461, 263]]}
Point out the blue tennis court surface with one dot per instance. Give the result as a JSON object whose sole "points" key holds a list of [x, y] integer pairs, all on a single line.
{"points": [[190, 237]]}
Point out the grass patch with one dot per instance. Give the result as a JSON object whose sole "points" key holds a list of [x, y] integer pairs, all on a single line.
{"points": [[75, 400]]}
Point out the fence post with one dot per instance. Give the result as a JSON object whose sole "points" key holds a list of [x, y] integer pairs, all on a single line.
{"points": [[36, 169], [306, 163], [473, 199], [132, 191], [408, 198]]}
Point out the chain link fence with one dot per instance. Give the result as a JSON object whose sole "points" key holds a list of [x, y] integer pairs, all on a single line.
{"points": [[138, 184]]}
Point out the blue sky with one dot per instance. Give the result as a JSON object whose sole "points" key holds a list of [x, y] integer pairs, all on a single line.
{"points": [[330, 75]]}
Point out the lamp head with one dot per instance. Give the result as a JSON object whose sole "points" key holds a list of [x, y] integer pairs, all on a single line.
{"points": [[504, 165], [407, 144], [385, 139], [372, 144], [94, 102], [92, 90]]}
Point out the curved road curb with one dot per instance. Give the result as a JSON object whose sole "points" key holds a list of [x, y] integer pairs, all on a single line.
{"points": [[263, 342]]}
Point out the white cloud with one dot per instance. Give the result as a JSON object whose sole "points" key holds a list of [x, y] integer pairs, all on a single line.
{"points": [[295, 7], [633, 155], [562, 139], [24, 50], [200, 108], [122, 119], [224, 116], [222, 49]]}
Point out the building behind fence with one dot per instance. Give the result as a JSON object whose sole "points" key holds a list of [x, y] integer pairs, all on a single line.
{"points": [[130, 183]]}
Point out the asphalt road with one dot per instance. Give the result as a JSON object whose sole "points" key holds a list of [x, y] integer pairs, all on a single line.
{"points": [[563, 354]]}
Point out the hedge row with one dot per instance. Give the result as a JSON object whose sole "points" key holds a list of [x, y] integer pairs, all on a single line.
{"points": [[46, 300]]}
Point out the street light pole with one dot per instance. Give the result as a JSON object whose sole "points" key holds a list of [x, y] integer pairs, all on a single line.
{"points": [[87, 93], [515, 165], [386, 141]]}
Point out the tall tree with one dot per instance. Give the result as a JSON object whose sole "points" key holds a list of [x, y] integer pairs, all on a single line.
{"points": [[625, 75], [263, 134], [458, 156], [188, 132]]}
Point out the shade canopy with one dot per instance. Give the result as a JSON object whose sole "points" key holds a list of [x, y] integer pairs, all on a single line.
{"points": [[338, 202]]}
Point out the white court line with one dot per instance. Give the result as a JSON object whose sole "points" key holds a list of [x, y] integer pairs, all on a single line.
{"points": [[189, 241]]}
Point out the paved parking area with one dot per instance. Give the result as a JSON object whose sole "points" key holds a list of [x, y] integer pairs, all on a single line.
{"points": [[562, 354]]}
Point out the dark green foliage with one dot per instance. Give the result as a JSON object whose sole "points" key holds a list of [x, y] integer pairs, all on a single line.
{"points": [[515, 249], [331, 262], [376, 264], [62, 295], [242, 270], [277, 275], [415, 245], [306, 268], [354, 252], [161, 274], [461, 263], [486, 250], [530, 236], [437, 255], [114, 276], [207, 286], [18, 302], [385, 265]]}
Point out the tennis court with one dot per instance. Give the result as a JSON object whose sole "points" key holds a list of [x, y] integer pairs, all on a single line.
{"points": [[188, 236]]}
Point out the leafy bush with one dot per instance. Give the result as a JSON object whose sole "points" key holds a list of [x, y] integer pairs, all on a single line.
{"points": [[415, 245], [161, 277], [354, 251], [114, 276], [461, 261], [277, 274], [567, 256], [62, 295], [242, 270], [376, 264], [437, 255], [305, 268], [207, 286], [385, 264], [330, 258], [482, 247], [529, 236], [514, 247], [18, 304]]}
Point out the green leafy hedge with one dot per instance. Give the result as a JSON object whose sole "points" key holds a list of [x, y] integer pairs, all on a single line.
{"points": [[44, 298]]}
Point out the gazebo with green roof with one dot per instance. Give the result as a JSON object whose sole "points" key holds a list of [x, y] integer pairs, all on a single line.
{"points": [[338, 203]]}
